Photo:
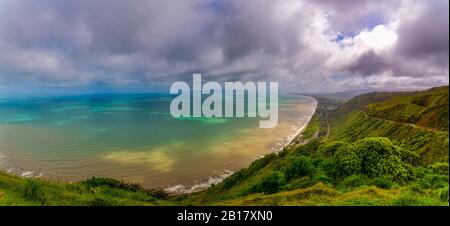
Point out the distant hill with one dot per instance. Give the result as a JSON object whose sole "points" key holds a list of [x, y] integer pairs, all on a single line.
{"points": [[427, 108], [347, 95], [416, 120]]}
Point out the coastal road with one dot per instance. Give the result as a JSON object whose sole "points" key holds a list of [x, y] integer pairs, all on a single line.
{"points": [[406, 124]]}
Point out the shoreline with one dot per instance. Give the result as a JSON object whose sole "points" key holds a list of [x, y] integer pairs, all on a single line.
{"points": [[215, 179], [303, 127], [201, 184]]}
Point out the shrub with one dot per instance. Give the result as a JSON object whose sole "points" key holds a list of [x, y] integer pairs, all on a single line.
{"points": [[379, 157], [303, 182], [234, 179], [432, 181], [321, 177], [440, 168], [270, 184], [308, 149], [328, 167], [348, 161], [383, 182], [113, 183], [353, 181], [329, 148], [157, 192], [261, 163], [300, 167], [406, 155], [97, 182]]}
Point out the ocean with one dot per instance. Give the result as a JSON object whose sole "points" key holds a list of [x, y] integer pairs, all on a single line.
{"points": [[133, 137]]}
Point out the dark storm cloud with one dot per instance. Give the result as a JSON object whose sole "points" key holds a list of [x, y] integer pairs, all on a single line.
{"points": [[426, 36], [368, 64], [246, 29], [115, 42]]}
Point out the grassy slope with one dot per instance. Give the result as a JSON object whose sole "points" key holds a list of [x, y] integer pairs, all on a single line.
{"points": [[415, 120], [17, 191], [319, 188], [308, 174], [419, 126]]}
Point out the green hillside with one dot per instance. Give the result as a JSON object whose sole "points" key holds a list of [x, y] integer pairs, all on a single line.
{"points": [[18, 191], [375, 149], [382, 149], [417, 121]]}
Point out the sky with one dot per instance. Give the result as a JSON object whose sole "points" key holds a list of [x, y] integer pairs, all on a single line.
{"points": [[305, 45]]}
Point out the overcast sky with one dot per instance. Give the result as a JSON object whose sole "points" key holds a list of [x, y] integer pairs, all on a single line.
{"points": [[307, 46]]}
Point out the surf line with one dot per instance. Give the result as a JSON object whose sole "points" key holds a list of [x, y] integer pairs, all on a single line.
{"points": [[234, 93]]}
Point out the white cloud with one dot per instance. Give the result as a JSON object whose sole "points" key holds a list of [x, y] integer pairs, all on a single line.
{"points": [[378, 39]]}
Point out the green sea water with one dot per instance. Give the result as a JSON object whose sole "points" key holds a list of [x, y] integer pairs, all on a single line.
{"points": [[134, 137]]}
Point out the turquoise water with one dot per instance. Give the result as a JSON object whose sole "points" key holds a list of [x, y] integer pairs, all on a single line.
{"points": [[134, 137]]}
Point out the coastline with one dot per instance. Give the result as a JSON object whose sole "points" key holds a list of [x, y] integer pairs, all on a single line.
{"points": [[303, 127], [212, 180]]}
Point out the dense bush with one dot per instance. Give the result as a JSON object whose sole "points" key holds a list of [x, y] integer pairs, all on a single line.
{"points": [[157, 193], [382, 182], [300, 167], [97, 182], [113, 183], [440, 168], [353, 181], [328, 149], [328, 166], [382, 158], [234, 179], [348, 160], [321, 177], [308, 149], [432, 181], [370, 161], [270, 184], [374, 157]]}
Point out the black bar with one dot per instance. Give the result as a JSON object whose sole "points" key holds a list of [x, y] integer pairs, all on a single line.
{"points": [[218, 215]]}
